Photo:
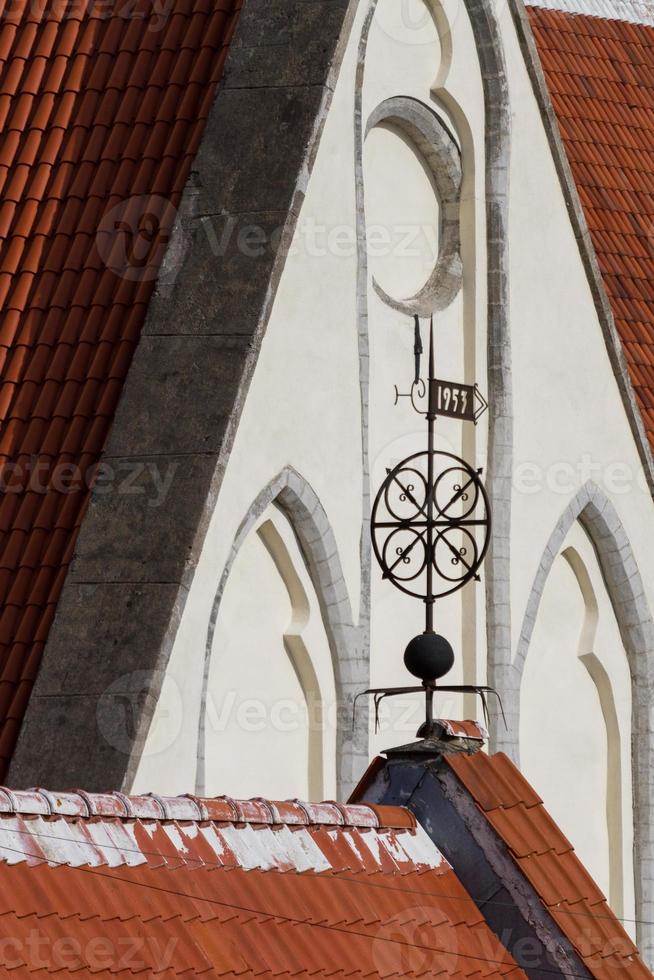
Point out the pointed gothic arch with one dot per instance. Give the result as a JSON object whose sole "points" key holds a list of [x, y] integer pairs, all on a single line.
{"points": [[301, 505], [624, 585], [606, 697]]}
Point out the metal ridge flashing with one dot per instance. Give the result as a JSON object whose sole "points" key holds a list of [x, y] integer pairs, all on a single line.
{"points": [[220, 809]]}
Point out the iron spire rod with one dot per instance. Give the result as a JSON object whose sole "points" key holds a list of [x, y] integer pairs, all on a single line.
{"points": [[431, 418]]}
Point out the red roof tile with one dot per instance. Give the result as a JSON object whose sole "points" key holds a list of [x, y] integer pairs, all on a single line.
{"points": [[600, 75], [546, 858], [220, 887], [99, 104]]}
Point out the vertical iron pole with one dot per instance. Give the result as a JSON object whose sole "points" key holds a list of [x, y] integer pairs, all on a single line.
{"points": [[429, 706], [431, 418]]}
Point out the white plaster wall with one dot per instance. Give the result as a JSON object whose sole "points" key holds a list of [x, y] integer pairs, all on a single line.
{"points": [[400, 201]]}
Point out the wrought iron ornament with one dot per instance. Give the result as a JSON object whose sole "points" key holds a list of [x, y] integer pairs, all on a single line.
{"points": [[431, 526], [431, 517]]}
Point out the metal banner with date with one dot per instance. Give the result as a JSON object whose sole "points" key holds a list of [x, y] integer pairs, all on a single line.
{"points": [[457, 401]]}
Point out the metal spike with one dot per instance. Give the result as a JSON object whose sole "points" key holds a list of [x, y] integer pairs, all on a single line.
{"points": [[417, 349]]}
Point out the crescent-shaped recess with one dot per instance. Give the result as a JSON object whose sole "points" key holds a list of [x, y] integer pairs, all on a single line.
{"points": [[437, 147]]}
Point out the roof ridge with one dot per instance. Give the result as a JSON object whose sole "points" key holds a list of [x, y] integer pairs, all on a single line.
{"points": [[219, 809], [632, 11]]}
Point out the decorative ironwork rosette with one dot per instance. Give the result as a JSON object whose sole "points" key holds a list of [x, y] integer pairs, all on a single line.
{"points": [[431, 524]]}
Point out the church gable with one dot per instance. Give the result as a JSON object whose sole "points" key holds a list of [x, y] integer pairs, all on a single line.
{"points": [[222, 609]]}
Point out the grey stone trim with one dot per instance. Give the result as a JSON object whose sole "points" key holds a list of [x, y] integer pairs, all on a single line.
{"points": [[440, 152], [290, 491], [363, 345], [251, 171], [582, 235], [500, 386], [593, 509]]}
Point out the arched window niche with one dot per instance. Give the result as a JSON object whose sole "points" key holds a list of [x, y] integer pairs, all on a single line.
{"points": [[271, 687], [282, 660], [576, 718]]}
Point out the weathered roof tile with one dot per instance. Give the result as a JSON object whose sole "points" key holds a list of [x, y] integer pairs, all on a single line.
{"points": [[233, 887], [545, 857]]}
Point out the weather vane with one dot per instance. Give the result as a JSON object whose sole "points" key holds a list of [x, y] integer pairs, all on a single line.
{"points": [[430, 528]]}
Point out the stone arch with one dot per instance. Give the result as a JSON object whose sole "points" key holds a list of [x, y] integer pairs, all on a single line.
{"points": [[597, 515], [431, 138], [301, 505]]}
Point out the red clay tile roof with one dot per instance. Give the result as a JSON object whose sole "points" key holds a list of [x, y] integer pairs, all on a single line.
{"points": [[217, 887], [547, 860], [102, 108], [600, 74]]}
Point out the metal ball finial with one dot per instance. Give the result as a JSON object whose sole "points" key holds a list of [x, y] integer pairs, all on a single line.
{"points": [[429, 657]]}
